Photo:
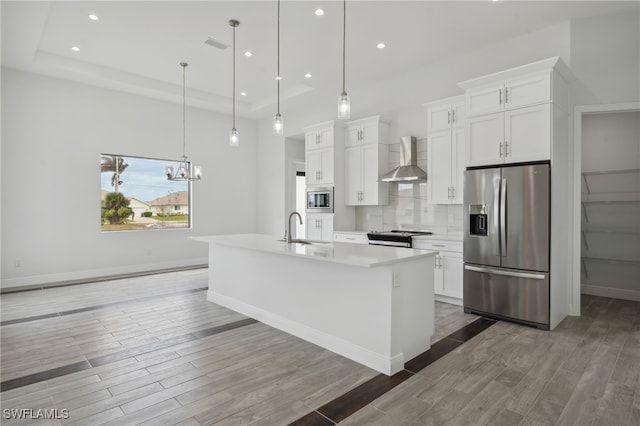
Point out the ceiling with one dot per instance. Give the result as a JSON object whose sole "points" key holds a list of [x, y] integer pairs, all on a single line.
{"points": [[136, 47]]}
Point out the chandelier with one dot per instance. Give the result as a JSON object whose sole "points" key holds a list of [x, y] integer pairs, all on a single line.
{"points": [[185, 170]]}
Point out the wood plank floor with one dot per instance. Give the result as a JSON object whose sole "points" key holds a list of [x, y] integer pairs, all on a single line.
{"points": [[151, 350]]}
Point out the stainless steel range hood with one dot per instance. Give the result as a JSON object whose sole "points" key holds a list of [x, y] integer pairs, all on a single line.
{"points": [[408, 172]]}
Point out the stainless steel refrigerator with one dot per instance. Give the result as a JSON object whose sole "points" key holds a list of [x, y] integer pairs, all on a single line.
{"points": [[506, 243]]}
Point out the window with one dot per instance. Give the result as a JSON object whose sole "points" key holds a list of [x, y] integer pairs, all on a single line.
{"points": [[136, 195]]}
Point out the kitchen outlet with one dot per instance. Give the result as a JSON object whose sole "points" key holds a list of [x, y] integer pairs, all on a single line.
{"points": [[396, 281], [451, 219]]}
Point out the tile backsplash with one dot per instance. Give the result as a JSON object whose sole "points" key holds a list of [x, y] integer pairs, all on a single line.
{"points": [[408, 206]]}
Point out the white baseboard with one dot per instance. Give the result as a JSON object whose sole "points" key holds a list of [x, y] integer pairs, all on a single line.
{"points": [[376, 361], [448, 299], [74, 277], [614, 293]]}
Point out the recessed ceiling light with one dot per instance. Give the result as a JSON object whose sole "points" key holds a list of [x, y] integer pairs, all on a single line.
{"points": [[319, 12], [94, 17], [307, 75], [243, 93], [381, 45], [248, 54], [75, 48]]}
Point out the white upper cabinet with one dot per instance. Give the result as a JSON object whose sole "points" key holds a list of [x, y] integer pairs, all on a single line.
{"points": [[514, 93], [514, 136], [320, 167], [445, 150], [366, 156], [321, 142], [445, 114], [509, 114], [318, 138], [366, 131]]}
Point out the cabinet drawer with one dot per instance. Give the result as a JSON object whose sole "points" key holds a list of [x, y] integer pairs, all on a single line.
{"points": [[343, 237], [439, 245]]}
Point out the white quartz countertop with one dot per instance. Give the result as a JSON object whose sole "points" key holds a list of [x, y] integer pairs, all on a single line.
{"points": [[344, 253]]}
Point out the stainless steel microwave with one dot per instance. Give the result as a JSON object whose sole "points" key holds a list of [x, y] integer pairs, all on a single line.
{"points": [[320, 200]]}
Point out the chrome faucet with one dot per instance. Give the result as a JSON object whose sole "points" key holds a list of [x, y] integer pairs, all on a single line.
{"points": [[289, 238]]}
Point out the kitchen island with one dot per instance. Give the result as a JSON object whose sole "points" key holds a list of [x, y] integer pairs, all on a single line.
{"points": [[372, 304]]}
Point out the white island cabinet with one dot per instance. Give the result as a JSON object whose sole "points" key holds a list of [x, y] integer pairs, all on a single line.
{"points": [[371, 304]]}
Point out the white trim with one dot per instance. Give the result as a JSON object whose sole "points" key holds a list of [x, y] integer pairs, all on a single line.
{"points": [[615, 293], [386, 365], [579, 110], [448, 299], [92, 274]]}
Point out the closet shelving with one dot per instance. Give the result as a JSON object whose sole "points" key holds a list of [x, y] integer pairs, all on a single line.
{"points": [[611, 220]]}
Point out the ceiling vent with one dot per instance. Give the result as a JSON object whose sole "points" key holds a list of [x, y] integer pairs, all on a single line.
{"points": [[215, 43]]}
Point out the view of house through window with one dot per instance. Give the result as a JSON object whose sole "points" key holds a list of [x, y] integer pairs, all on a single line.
{"points": [[136, 194]]}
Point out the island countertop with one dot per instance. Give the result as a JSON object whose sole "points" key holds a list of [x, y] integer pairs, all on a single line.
{"points": [[344, 253]]}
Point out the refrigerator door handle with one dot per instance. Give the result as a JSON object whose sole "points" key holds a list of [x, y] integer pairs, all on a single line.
{"points": [[503, 217], [505, 273], [496, 218]]}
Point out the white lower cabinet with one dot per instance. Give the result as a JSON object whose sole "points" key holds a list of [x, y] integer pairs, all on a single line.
{"points": [[448, 268], [320, 227]]}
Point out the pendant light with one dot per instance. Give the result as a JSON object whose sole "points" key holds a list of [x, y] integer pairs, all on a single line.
{"points": [[185, 171], [344, 104], [277, 120], [234, 140]]}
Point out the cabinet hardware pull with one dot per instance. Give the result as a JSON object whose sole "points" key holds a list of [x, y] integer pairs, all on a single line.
{"points": [[448, 117], [506, 149], [438, 245], [500, 96], [453, 192], [453, 116], [506, 95], [500, 149]]}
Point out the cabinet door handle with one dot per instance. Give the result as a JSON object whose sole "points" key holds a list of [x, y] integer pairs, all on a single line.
{"points": [[453, 116], [500, 149], [448, 117], [506, 149], [453, 192], [500, 96], [438, 245], [506, 95]]}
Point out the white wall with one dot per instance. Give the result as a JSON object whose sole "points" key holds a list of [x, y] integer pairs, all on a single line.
{"points": [[53, 132], [605, 59]]}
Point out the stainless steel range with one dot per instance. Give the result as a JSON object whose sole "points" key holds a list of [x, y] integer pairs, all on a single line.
{"points": [[395, 238]]}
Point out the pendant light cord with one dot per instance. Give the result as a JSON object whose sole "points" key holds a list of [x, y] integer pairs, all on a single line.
{"points": [[234, 76], [278, 76], [344, 36], [184, 111]]}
